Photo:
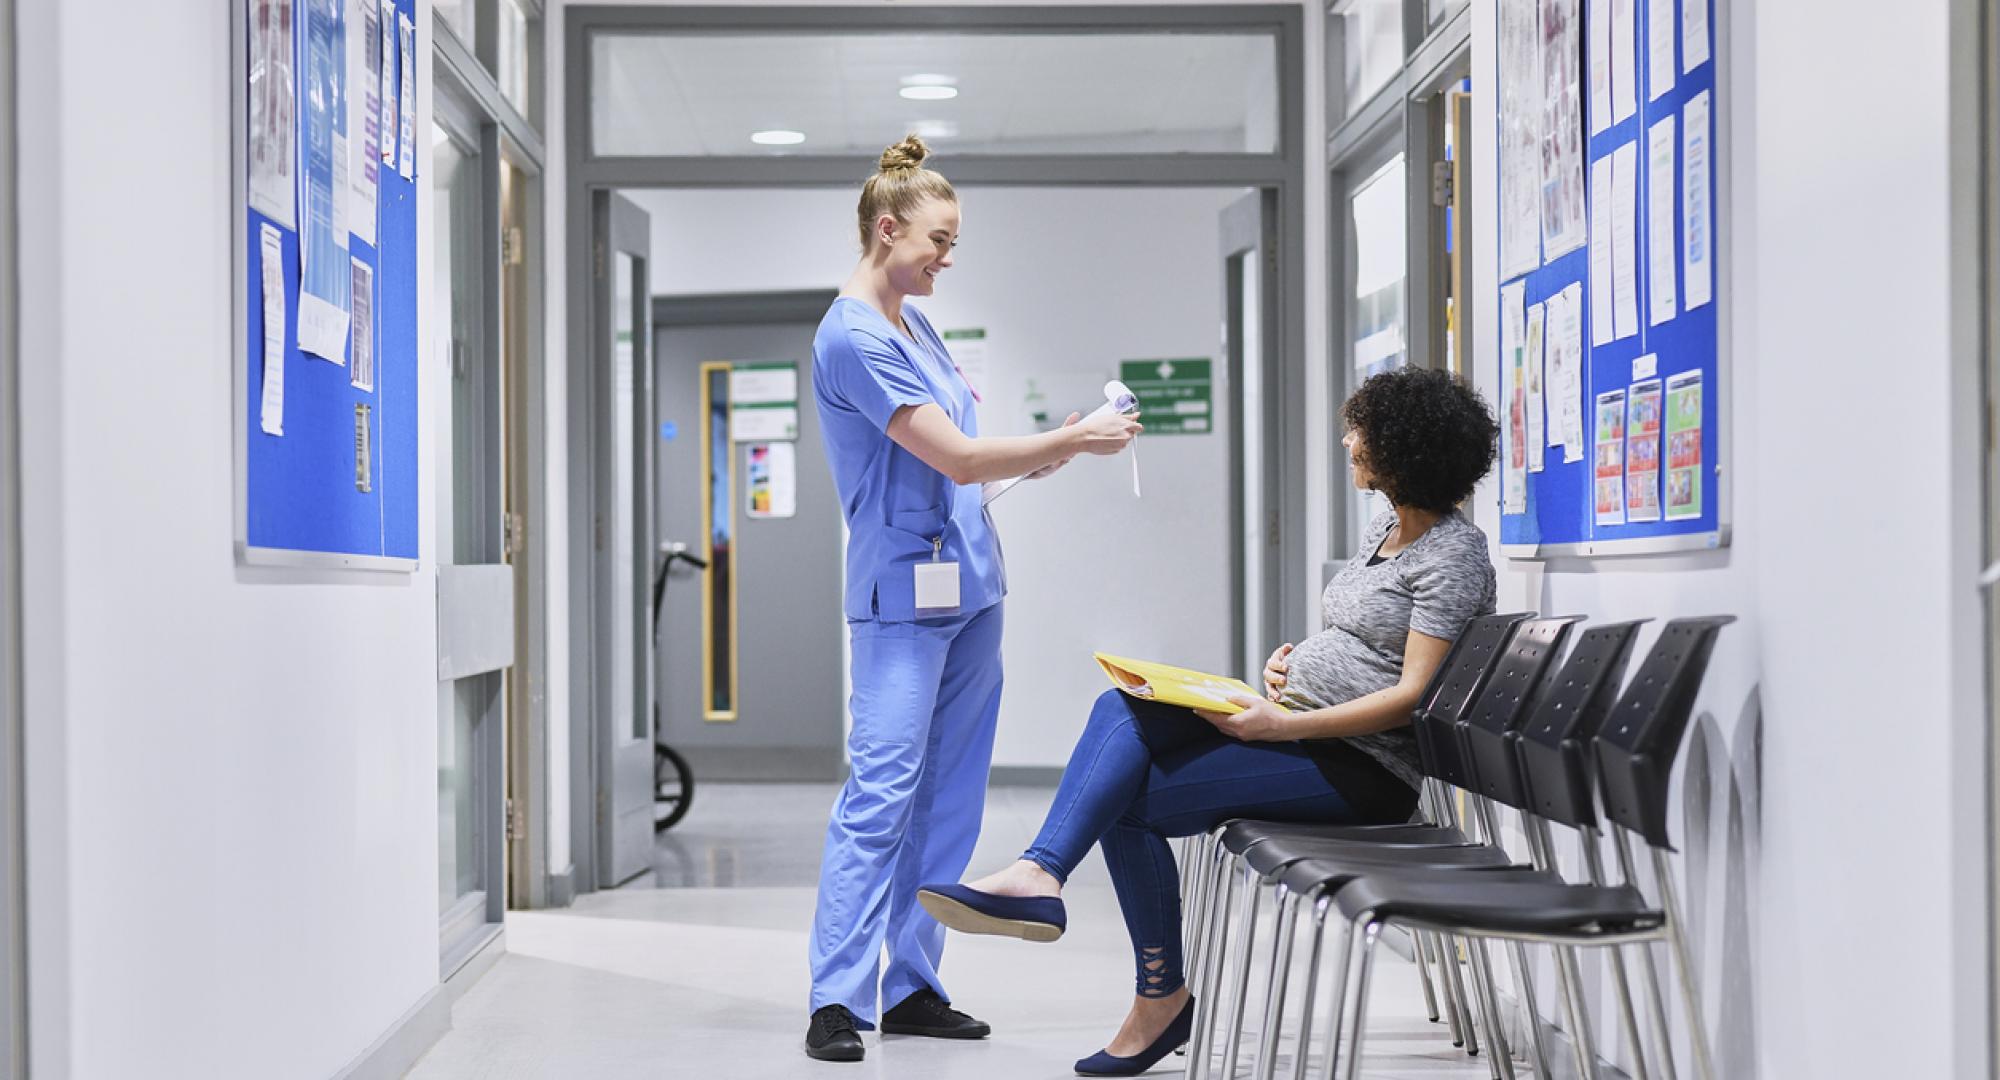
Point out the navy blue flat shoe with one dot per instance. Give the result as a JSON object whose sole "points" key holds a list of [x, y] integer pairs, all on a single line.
{"points": [[969, 911], [1176, 1036]]}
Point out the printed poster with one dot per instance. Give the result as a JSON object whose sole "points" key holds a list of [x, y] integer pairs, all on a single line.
{"points": [[1565, 347], [773, 488], [325, 273], [362, 371], [1610, 463], [364, 72], [1661, 265], [1697, 254], [1660, 35], [1514, 459], [386, 101], [274, 148], [1562, 130], [1598, 26], [1642, 452], [271, 251], [406, 98], [1520, 140], [1684, 446], [1624, 62], [1534, 370]]}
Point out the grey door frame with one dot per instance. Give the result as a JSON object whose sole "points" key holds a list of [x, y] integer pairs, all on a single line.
{"points": [[13, 842], [1281, 174], [1249, 225]]}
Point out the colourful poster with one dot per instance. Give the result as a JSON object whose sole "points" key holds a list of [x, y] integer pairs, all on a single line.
{"points": [[274, 145], [1514, 451], [1611, 458], [1684, 446], [327, 273], [1642, 452], [773, 473]]}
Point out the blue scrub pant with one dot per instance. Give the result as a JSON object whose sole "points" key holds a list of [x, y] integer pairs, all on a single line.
{"points": [[926, 699]]}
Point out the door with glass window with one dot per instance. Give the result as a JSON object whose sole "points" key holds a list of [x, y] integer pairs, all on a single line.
{"points": [[622, 543], [1250, 344], [475, 588], [1373, 195]]}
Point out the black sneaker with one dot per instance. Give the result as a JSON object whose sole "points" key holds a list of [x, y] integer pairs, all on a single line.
{"points": [[832, 1035], [925, 1013]]}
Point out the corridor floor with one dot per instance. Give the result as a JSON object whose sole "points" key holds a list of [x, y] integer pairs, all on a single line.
{"points": [[698, 970]]}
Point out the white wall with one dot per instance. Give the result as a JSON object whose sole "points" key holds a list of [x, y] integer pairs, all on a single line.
{"points": [[1853, 556], [233, 797], [1066, 282]]}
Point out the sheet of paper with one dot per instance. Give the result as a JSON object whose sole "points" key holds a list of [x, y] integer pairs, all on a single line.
{"points": [[406, 104], [273, 147], [1660, 36], [1610, 460], [1684, 471], [342, 112], [1514, 455], [362, 371], [1625, 240], [1535, 372], [773, 488], [1600, 251], [1520, 140], [1694, 34], [1624, 62], [1563, 226], [364, 73], [386, 101], [324, 274], [1598, 24], [1697, 235], [364, 468], [1661, 263], [1566, 338], [271, 254], [1642, 452]]}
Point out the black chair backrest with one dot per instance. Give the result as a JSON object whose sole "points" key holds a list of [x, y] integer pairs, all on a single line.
{"points": [[1554, 745], [1487, 730], [1638, 742], [1458, 682]]}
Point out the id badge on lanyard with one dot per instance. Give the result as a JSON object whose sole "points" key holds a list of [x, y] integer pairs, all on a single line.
{"points": [[937, 584]]}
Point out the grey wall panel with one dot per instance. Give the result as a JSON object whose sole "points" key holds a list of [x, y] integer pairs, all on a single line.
{"points": [[475, 619]]}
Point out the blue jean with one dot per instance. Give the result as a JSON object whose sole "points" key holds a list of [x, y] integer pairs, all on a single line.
{"points": [[1144, 772], [926, 699]]}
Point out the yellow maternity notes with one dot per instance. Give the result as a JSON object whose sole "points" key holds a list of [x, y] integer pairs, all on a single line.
{"points": [[1174, 686]]}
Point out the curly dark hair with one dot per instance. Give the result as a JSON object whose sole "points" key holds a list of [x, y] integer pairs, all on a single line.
{"points": [[1427, 436]]}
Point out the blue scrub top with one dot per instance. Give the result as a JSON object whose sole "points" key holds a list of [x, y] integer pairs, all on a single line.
{"points": [[864, 369]]}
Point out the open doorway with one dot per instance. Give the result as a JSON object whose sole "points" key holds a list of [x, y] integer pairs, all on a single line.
{"points": [[1092, 564]]}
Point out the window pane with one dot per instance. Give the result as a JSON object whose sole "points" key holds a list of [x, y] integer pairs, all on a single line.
{"points": [[461, 15], [513, 35], [1379, 218], [839, 94], [1372, 49], [1436, 10]]}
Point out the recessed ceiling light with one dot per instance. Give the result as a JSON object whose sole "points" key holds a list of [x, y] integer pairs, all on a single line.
{"points": [[929, 87], [934, 129], [777, 137]]}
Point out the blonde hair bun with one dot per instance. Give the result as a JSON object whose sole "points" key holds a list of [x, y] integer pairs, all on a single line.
{"points": [[908, 154]]}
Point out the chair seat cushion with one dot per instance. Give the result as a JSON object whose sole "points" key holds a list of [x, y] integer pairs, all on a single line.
{"points": [[1239, 836], [1498, 903]]}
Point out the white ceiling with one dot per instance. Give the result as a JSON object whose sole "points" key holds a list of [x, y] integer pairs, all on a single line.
{"points": [[1018, 93]]}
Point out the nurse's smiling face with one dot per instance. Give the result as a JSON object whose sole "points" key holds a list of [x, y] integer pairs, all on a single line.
{"points": [[916, 251]]}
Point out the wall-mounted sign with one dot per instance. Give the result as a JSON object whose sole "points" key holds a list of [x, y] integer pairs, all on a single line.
{"points": [[764, 401], [1176, 397]]}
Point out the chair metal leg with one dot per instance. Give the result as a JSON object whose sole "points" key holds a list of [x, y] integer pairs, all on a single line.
{"points": [[1246, 941], [1453, 1013], [1704, 1065], [1524, 980], [1579, 1014], [1215, 925], [1370, 936], [1471, 1043], [1194, 897], [1321, 904], [1593, 861], [1421, 941], [1656, 1005], [1336, 1004], [1283, 930], [1542, 855], [1499, 1058]]}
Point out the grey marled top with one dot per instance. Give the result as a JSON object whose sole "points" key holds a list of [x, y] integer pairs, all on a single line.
{"points": [[1434, 586]]}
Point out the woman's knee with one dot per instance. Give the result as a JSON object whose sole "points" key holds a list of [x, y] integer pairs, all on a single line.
{"points": [[1111, 709]]}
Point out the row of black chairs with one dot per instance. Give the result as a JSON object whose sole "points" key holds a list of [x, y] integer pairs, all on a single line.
{"points": [[1501, 727]]}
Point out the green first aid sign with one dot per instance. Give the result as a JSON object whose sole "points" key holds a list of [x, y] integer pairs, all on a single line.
{"points": [[1176, 397]]}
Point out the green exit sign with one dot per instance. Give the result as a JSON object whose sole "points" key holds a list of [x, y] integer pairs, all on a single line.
{"points": [[1176, 397]]}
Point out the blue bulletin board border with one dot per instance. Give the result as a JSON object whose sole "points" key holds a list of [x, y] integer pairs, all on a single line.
{"points": [[1559, 518], [297, 500]]}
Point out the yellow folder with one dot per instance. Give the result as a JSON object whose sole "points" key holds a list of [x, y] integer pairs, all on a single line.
{"points": [[1172, 685]]}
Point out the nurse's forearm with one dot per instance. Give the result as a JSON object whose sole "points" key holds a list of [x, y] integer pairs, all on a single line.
{"points": [[925, 430]]}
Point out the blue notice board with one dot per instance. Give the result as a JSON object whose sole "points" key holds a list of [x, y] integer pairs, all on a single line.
{"points": [[326, 464], [1613, 343]]}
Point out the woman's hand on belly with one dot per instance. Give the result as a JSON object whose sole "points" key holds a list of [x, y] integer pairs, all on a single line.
{"points": [[1260, 720]]}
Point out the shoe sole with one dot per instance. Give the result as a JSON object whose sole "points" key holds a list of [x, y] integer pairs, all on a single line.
{"points": [[967, 920], [836, 1053], [979, 1032]]}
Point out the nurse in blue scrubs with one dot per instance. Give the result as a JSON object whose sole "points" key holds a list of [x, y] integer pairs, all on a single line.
{"points": [[924, 584]]}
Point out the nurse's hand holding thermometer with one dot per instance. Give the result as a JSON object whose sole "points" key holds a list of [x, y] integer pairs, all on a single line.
{"points": [[1120, 403]]}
